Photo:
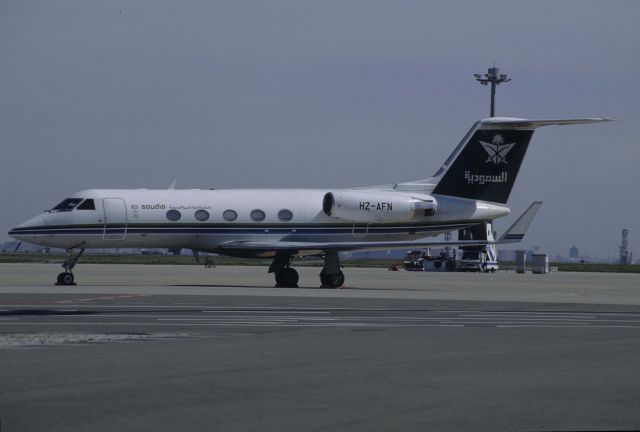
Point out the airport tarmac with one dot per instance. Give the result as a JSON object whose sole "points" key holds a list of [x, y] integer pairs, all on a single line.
{"points": [[187, 348], [562, 287]]}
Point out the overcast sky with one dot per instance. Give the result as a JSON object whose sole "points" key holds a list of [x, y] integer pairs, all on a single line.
{"points": [[132, 94]]}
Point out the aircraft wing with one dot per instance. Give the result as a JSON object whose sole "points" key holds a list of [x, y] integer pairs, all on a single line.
{"points": [[319, 247], [514, 234]]}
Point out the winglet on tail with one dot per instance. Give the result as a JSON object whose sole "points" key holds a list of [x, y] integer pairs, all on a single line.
{"points": [[516, 232]]}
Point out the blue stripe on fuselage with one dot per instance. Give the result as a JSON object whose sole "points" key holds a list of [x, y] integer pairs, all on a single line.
{"points": [[79, 229]]}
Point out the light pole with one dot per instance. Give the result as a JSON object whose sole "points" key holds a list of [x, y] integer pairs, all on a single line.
{"points": [[494, 77]]}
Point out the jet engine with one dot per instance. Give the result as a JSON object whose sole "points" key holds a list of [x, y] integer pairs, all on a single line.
{"points": [[377, 207]]}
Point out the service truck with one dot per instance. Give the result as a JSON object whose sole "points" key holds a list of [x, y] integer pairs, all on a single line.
{"points": [[482, 259]]}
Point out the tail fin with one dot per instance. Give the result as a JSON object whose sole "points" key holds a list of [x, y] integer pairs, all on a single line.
{"points": [[485, 164]]}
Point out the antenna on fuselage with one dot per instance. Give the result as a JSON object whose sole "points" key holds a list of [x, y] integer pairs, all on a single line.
{"points": [[173, 184]]}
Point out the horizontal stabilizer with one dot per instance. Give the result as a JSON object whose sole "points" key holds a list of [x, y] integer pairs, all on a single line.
{"points": [[516, 232], [516, 123]]}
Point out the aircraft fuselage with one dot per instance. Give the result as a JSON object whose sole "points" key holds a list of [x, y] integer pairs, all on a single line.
{"points": [[205, 219]]}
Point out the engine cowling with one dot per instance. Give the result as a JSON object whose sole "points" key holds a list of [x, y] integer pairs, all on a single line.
{"points": [[377, 207]]}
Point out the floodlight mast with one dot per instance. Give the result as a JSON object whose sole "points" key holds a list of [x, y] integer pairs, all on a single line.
{"points": [[494, 77]]}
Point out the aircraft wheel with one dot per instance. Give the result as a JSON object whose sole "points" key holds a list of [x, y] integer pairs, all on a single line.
{"points": [[332, 281], [291, 277], [65, 278], [287, 277]]}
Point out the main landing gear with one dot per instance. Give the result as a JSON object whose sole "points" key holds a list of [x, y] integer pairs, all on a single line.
{"points": [[331, 276], [66, 277], [287, 277]]}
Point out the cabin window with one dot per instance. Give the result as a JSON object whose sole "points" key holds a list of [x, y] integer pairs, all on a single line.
{"points": [[257, 215], [67, 205], [87, 204], [230, 215], [173, 215], [285, 215], [202, 215]]}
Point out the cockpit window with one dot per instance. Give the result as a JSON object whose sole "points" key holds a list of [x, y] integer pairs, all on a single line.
{"points": [[87, 204], [67, 205]]}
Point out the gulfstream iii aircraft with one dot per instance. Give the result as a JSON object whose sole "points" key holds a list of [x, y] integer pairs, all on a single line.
{"points": [[467, 193]]}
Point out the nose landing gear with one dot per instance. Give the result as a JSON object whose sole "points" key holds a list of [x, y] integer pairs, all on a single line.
{"points": [[66, 277]]}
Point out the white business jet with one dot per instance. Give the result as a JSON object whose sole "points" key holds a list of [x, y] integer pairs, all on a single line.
{"points": [[467, 193]]}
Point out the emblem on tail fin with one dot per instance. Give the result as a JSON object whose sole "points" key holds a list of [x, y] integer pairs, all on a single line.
{"points": [[497, 150]]}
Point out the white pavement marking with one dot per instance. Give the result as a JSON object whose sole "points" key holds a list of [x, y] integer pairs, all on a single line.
{"points": [[268, 311], [530, 315], [566, 326], [261, 315], [215, 324], [18, 340], [516, 319], [235, 319]]}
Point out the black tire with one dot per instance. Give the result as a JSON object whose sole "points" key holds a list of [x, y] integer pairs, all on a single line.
{"points": [[332, 281], [66, 279], [324, 280], [287, 277], [291, 277], [59, 280]]}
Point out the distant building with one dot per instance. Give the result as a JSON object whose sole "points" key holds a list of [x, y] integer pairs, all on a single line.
{"points": [[574, 253], [625, 256]]}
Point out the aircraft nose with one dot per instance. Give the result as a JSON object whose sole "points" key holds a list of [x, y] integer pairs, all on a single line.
{"points": [[23, 229]]}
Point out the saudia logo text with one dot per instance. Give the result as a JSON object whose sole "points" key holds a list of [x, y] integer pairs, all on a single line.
{"points": [[482, 178], [497, 151]]}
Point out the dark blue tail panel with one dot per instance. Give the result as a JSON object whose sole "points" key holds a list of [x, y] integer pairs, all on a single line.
{"points": [[487, 166]]}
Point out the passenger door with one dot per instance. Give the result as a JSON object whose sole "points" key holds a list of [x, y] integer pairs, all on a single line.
{"points": [[115, 219]]}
